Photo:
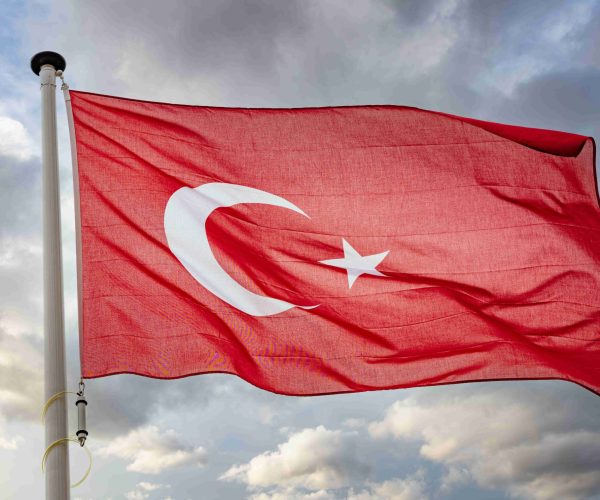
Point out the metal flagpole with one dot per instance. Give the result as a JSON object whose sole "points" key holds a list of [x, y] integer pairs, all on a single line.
{"points": [[46, 64]]}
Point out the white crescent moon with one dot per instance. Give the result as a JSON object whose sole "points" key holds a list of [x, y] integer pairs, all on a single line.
{"points": [[185, 226]]}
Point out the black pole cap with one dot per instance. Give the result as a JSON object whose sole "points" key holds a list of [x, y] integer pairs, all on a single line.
{"points": [[47, 57]]}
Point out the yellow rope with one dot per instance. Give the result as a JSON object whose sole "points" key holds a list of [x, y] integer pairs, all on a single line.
{"points": [[66, 440], [52, 399]]}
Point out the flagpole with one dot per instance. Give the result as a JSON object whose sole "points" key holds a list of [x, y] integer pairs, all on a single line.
{"points": [[46, 64]]}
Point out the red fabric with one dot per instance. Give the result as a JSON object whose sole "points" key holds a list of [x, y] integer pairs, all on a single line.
{"points": [[547, 141], [493, 232]]}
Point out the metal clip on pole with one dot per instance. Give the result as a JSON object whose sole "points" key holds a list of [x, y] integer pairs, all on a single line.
{"points": [[81, 404]]}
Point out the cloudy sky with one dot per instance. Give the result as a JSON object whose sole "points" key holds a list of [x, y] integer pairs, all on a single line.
{"points": [[530, 62]]}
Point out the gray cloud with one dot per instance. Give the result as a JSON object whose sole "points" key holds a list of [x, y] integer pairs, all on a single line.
{"points": [[119, 405], [458, 56], [21, 200], [520, 441], [20, 282], [20, 377], [560, 100], [534, 440]]}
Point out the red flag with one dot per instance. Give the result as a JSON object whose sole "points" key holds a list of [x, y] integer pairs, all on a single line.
{"points": [[325, 250]]}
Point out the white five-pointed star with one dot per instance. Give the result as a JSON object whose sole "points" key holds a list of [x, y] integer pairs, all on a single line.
{"points": [[356, 264]]}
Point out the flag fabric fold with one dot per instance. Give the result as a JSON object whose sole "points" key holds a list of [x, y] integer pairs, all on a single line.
{"points": [[340, 249]]}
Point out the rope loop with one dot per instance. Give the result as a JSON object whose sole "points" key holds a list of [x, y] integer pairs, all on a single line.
{"points": [[66, 440], [52, 399]]}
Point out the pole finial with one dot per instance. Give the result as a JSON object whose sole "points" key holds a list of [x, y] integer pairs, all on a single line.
{"points": [[47, 57]]}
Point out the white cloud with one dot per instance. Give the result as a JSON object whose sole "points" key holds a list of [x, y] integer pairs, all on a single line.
{"points": [[411, 488], [136, 495], [8, 443], [354, 423], [292, 494], [20, 293], [20, 376], [152, 486], [527, 447], [14, 139], [315, 459], [142, 489], [152, 452]]}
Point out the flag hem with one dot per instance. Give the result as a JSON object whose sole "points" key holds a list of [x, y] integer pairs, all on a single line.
{"points": [[349, 391], [572, 151]]}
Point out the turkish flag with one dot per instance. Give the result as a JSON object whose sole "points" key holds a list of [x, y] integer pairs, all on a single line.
{"points": [[325, 250]]}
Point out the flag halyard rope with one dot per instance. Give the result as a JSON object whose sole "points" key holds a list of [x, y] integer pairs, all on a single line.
{"points": [[76, 439], [67, 440]]}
